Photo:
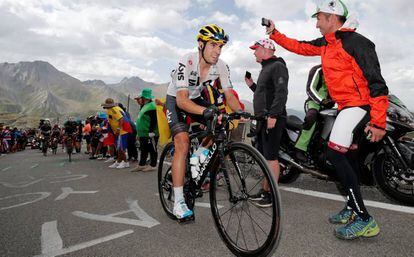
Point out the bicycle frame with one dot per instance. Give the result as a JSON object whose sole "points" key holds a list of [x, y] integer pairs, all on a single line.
{"points": [[220, 142]]}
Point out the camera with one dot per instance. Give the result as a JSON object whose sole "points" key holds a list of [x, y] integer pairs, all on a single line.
{"points": [[265, 22]]}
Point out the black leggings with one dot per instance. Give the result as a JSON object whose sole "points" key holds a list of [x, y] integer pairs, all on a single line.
{"points": [[148, 146], [347, 169], [132, 149], [347, 172]]}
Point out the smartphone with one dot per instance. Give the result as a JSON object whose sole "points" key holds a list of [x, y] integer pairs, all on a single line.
{"points": [[248, 75], [265, 22]]}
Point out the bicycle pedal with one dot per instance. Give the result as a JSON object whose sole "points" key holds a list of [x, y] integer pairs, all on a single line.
{"points": [[186, 220]]}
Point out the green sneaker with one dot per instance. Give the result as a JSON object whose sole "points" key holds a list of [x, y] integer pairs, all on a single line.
{"points": [[342, 217], [358, 228]]}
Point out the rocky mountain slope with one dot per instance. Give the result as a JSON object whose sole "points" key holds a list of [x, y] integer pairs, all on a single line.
{"points": [[33, 90]]}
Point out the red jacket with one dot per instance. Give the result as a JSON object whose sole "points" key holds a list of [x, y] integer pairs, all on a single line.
{"points": [[351, 69]]}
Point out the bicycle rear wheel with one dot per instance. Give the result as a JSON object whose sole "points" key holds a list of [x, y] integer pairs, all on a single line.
{"points": [[69, 149], [165, 185], [246, 228]]}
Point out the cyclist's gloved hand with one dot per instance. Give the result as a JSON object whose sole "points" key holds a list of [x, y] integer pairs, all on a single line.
{"points": [[327, 103], [209, 112]]}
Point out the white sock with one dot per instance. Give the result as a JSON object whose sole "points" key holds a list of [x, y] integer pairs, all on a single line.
{"points": [[178, 195]]}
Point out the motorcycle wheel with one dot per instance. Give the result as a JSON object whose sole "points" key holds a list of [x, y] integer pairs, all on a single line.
{"points": [[389, 184], [288, 173]]}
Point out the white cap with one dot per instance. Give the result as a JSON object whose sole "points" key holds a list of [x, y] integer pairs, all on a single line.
{"points": [[265, 43], [336, 7]]}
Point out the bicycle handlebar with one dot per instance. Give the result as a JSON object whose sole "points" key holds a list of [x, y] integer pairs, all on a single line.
{"points": [[227, 117]]}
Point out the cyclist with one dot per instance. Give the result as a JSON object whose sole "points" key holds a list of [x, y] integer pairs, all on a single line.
{"points": [[56, 133], [70, 127], [45, 129], [194, 72], [353, 77]]}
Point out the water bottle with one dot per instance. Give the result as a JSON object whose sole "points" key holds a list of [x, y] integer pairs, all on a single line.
{"points": [[196, 159], [203, 156], [194, 164]]}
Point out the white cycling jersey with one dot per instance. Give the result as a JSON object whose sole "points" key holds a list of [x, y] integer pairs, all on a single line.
{"points": [[187, 76]]}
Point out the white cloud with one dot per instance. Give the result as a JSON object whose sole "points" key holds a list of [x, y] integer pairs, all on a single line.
{"points": [[111, 39], [221, 18], [273, 9], [204, 3]]}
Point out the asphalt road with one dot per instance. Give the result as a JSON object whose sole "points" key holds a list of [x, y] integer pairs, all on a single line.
{"points": [[49, 207]]}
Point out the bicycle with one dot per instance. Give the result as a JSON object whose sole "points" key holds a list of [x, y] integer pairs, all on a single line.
{"points": [[54, 145], [256, 230], [69, 146], [45, 143]]}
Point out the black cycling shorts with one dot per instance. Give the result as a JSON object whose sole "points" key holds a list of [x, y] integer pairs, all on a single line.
{"points": [[268, 140], [177, 118]]}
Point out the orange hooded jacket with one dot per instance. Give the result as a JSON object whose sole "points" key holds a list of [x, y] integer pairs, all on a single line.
{"points": [[351, 69]]}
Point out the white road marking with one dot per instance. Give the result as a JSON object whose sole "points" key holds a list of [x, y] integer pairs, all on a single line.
{"points": [[144, 220], [43, 195], [7, 168], [34, 166], [69, 178], [52, 242], [386, 206], [66, 191], [20, 184]]}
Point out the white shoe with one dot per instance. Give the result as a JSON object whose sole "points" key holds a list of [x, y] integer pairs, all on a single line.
{"points": [[111, 159], [181, 210], [123, 165], [115, 165]]}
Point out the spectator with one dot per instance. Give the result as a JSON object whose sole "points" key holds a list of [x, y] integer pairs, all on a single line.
{"points": [[87, 135], [269, 100], [353, 77], [147, 130], [132, 149], [116, 119]]}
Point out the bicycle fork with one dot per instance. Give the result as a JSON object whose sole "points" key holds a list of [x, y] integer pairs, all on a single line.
{"points": [[232, 198]]}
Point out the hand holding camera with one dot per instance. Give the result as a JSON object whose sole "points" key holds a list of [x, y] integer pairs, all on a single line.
{"points": [[270, 26]]}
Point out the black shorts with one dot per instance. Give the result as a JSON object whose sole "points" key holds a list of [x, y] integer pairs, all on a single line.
{"points": [[87, 139], [177, 118], [268, 141]]}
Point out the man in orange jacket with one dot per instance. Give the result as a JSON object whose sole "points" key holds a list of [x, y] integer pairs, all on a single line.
{"points": [[353, 77]]}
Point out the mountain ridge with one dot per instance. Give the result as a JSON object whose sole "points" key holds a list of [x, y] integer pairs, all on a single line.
{"points": [[33, 90]]}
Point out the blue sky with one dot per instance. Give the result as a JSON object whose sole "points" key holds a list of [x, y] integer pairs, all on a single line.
{"points": [[113, 39]]}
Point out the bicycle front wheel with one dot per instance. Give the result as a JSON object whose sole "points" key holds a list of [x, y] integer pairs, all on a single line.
{"points": [[247, 226]]}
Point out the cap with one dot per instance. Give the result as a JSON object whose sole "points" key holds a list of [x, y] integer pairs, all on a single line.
{"points": [[265, 43], [145, 93], [336, 7], [109, 103]]}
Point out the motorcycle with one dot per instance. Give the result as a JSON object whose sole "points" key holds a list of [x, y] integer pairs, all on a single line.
{"points": [[388, 164]]}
